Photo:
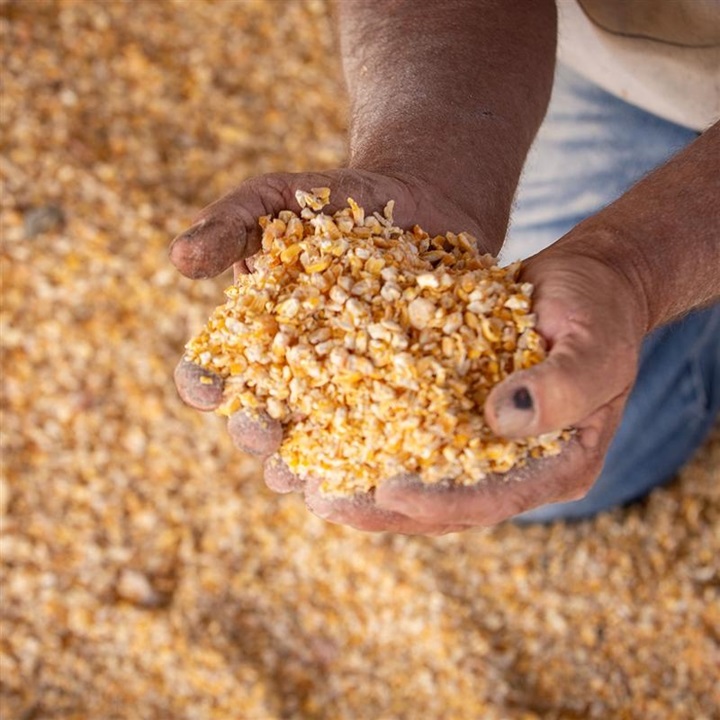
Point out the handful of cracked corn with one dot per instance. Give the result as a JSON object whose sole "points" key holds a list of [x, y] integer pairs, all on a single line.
{"points": [[375, 347]]}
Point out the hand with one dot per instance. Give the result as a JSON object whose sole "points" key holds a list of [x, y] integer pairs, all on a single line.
{"points": [[647, 258], [594, 322], [226, 234], [587, 311]]}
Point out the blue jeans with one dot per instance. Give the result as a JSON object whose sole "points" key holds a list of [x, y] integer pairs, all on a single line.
{"points": [[591, 148]]}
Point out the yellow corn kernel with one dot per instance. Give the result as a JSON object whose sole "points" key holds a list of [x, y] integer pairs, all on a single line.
{"points": [[374, 347]]}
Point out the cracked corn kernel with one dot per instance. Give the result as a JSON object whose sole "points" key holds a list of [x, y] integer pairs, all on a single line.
{"points": [[269, 612], [376, 350]]}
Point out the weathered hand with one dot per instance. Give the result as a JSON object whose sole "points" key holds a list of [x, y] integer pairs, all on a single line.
{"points": [[649, 257], [594, 323], [226, 234], [587, 311]]}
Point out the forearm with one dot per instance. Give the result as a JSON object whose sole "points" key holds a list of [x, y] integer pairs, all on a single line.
{"points": [[664, 233], [449, 92]]}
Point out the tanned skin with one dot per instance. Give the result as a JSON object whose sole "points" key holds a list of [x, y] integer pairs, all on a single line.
{"points": [[446, 98]]}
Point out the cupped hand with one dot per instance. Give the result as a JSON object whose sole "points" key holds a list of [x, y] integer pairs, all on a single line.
{"points": [[588, 312], [227, 234], [593, 320]]}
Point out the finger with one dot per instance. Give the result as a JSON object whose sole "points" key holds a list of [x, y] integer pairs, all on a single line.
{"points": [[360, 512], [279, 478], [255, 433], [437, 504], [579, 376], [198, 387], [227, 231], [244, 267]]}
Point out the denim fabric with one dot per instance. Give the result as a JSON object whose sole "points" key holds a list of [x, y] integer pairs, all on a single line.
{"points": [[591, 148]]}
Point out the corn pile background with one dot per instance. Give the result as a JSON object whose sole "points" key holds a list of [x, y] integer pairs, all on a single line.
{"points": [[146, 570]]}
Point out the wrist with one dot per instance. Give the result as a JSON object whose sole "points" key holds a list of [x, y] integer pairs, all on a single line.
{"points": [[662, 234], [450, 94]]}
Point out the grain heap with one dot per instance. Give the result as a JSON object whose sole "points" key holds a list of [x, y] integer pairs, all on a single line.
{"points": [[146, 571], [375, 347]]}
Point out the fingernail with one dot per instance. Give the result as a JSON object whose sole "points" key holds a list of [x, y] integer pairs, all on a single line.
{"points": [[198, 387], [189, 255], [515, 412], [278, 476], [522, 399]]}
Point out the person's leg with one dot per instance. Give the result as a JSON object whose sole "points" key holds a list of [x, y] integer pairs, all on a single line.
{"points": [[591, 148]]}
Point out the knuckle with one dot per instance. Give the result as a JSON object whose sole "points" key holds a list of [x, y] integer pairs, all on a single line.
{"points": [[273, 190]]}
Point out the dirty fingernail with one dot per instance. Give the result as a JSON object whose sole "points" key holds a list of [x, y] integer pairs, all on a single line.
{"points": [[515, 412], [198, 387], [188, 251], [190, 235], [522, 399], [278, 476]]}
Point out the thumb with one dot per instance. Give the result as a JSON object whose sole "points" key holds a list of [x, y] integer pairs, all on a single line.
{"points": [[227, 231], [579, 376]]}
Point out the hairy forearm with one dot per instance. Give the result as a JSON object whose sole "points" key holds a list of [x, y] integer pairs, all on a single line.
{"points": [[664, 233], [450, 92]]}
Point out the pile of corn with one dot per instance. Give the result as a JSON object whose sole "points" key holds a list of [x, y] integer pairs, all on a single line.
{"points": [[375, 347], [146, 571]]}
